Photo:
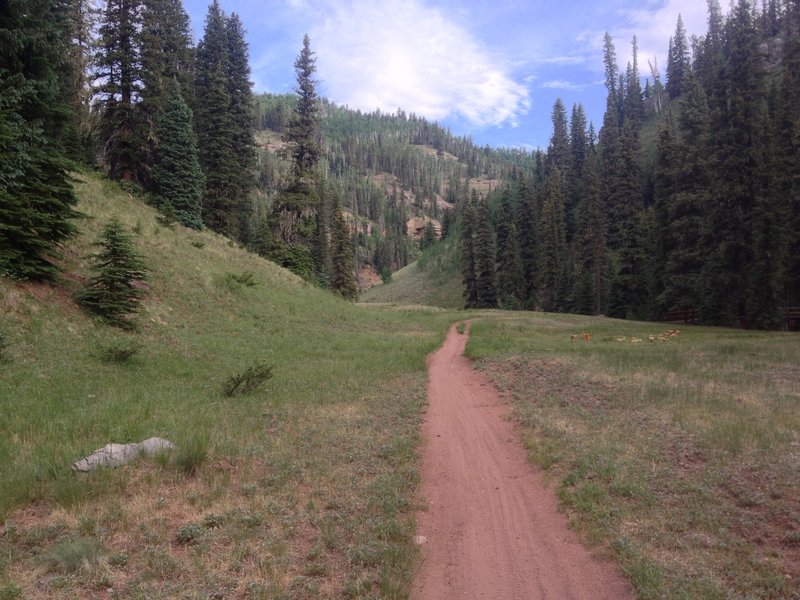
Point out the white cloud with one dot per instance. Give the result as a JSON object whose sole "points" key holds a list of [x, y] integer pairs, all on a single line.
{"points": [[653, 28], [560, 84], [404, 54]]}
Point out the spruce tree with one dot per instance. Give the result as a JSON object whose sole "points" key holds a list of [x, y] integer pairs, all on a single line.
{"points": [[553, 246], [526, 220], [240, 95], [295, 214], [119, 77], [591, 241], [115, 293], [343, 280], [177, 177], [215, 128], [510, 279], [484, 258], [166, 56], [678, 63], [36, 197], [469, 269]]}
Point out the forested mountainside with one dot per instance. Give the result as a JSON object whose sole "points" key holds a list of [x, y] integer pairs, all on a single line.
{"points": [[399, 177], [687, 203], [686, 199]]}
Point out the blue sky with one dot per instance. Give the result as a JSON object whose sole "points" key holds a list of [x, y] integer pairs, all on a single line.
{"points": [[488, 69]]}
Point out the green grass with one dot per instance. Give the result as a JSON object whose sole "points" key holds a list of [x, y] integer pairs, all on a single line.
{"points": [[433, 280], [328, 429], [681, 455]]}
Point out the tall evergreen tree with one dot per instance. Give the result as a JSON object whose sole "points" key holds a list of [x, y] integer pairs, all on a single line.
{"points": [[739, 122], [484, 258], [36, 198], [177, 176], [215, 128], [166, 56], [119, 75], [295, 214], [552, 240], [526, 219], [469, 269], [343, 271], [240, 95], [510, 279], [678, 63]]}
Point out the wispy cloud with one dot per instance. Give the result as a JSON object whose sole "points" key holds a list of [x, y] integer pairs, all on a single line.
{"points": [[560, 84], [405, 54]]}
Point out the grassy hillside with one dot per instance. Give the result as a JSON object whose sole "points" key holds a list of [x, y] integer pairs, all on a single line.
{"points": [[302, 487], [433, 280]]}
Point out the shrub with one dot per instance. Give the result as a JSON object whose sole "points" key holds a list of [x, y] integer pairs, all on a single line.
{"points": [[116, 290], [247, 380], [246, 279], [119, 352]]}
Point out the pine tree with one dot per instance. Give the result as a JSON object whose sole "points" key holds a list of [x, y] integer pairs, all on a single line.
{"points": [[484, 258], [678, 64], [119, 76], [526, 220], [552, 241], [343, 272], [166, 56], [36, 197], [240, 95], [177, 177], [303, 135], [686, 202], [510, 279], [469, 268], [738, 123], [113, 293], [295, 214], [215, 128], [591, 241]]}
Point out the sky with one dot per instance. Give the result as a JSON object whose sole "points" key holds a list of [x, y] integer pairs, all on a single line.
{"points": [[488, 69]]}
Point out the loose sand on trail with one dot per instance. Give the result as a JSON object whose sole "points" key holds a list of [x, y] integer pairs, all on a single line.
{"points": [[492, 529]]}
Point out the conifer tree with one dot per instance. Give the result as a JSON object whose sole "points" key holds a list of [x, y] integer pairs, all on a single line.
{"points": [[240, 95], [738, 124], [295, 214], [36, 197], [484, 258], [591, 241], [119, 76], [678, 63], [510, 279], [343, 271], [552, 240], [215, 128], [177, 177], [166, 56], [469, 268], [526, 220], [113, 293]]}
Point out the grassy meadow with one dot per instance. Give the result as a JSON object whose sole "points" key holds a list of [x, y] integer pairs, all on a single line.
{"points": [[432, 280], [302, 488], [680, 452], [678, 456]]}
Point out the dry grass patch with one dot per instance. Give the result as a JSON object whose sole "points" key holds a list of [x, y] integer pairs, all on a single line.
{"points": [[681, 457]]}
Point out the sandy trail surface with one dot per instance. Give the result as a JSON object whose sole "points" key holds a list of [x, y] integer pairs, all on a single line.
{"points": [[492, 529]]}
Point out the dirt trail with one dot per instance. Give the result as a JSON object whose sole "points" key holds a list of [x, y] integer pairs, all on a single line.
{"points": [[492, 529]]}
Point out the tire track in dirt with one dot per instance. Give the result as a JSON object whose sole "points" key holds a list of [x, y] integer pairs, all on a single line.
{"points": [[492, 529]]}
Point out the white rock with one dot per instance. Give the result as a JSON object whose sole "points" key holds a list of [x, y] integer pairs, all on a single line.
{"points": [[115, 455]]}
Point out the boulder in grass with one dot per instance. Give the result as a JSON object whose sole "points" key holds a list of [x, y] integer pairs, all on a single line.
{"points": [[115, 455]]}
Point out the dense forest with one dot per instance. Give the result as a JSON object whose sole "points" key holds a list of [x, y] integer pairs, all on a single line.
{"points": [[688, 197], [686, 202]]}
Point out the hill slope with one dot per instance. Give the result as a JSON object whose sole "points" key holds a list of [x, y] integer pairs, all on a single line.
{"points": [[433, 280], [257, 488]]}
